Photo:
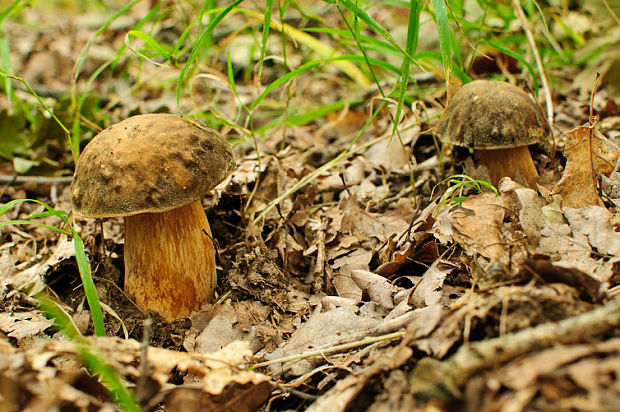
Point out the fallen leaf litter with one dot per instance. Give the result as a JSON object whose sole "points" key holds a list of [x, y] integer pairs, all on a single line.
{"points": [[349, 288]]}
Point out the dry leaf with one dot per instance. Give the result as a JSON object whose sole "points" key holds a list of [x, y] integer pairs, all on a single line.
{"points": [[589, 154], [322, 329], [429, 290], [477, 225], [31, 280], [378, 288], [19, 325], [45, 377]]}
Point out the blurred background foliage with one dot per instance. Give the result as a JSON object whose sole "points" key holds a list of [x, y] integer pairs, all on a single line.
{"points": [[250, 68]]}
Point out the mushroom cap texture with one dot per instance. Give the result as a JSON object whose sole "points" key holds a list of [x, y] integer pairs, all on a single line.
{"points": [[147, 164], [492, 115]]}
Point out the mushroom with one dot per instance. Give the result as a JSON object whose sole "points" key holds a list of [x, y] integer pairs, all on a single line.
{"points": [[152, 170], [499, 121]]}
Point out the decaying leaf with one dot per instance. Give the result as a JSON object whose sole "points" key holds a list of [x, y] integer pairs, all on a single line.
{"points": [[429, 290], [31, 279], [19, 325], [589, 154], [477, 225], [50, 375], [569, 371], [576, 244], [377, 287], [323, 329]]}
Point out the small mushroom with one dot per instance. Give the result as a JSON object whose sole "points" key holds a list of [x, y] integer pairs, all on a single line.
{"points": [[499, 121], [153, 169]]}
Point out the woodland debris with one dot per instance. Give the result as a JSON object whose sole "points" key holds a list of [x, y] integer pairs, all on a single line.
{"points": [[445, 378], [52, 375]]}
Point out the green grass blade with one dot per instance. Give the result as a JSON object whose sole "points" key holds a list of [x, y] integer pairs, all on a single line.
{"points": [[179, 46], [266, 26], [231, 77], [148, 17], [413, 29], [92, 360], [443, 29], [89, 286], [151, 42], [312, 64], [13, 9], [7, 206], [75, 136], [355, 32], [31, 222], [294, 119], [280, 81], [36, 96], [61, 319], [200, 43], [372, 23], [58, 213], [84, 53], [370, 43], [80, 256], [5, 65]]}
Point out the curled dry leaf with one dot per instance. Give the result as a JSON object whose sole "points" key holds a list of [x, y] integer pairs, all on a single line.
{"points": [[378, 288], [430, 289]]}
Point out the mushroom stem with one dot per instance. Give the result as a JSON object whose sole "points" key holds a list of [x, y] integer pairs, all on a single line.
{"points": [[170, 260], [512, 162]]}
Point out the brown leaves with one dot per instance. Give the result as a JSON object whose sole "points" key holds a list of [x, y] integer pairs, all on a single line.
{"points": [[589, 155], [477, 225], [50, 376]]}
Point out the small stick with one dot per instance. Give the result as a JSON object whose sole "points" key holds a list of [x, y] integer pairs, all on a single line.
{"points": [[472, 358], [41, 180], [337, 348], [142, 384]]}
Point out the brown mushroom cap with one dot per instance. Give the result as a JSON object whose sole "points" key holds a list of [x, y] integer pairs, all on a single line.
{"points": [[492, 115], [148, 163]]}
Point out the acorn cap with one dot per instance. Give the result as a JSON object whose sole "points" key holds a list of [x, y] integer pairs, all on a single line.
{"points": [[489, 115], [147, 164]]}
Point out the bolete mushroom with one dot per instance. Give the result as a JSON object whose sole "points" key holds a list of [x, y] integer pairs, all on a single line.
{"points": [[499, 121], [152, 170]]}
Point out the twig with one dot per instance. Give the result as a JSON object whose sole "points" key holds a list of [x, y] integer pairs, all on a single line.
{"points": [[41, 180], [388, 329], [145, 367], [611, 11], [337, 348], [433, 376], [541, 69]]}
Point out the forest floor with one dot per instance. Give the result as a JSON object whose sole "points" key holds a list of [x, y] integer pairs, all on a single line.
{"points": [[351, 274]]}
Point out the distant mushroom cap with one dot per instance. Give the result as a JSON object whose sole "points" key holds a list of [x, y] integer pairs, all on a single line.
{"points": [[492, 115], [148, 163]]}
